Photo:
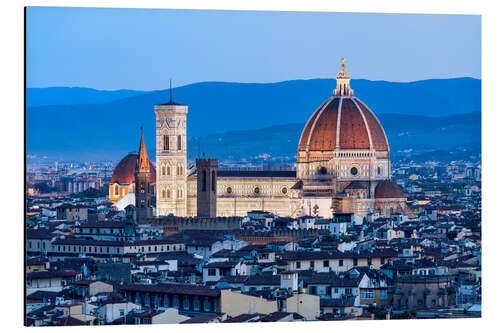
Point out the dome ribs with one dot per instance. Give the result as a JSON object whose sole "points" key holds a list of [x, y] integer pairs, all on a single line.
{"points": [[353, 131], [324, 133], [304, 138], [343, 123], [379, 139]]}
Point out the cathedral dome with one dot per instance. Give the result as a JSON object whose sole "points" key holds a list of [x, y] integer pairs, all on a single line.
{"points": [[124, 172], [343, 122], [387, 189]]}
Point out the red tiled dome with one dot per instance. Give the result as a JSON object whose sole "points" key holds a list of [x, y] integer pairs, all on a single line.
{"points": [[356, 124], [387, 189], [124, 172]]}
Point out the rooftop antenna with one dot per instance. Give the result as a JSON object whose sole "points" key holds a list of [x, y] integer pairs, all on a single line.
{"points": [[171, 91]]}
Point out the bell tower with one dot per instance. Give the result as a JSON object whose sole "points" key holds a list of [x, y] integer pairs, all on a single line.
{"points": [[143, 189], [171, 158]]}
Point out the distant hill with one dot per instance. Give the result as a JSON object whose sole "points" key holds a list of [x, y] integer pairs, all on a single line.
{"points": [[112, 127], [75, 95], [406, 134]]}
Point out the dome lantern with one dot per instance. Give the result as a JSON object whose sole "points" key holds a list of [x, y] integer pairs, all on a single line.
{"points": [[343, 82]]}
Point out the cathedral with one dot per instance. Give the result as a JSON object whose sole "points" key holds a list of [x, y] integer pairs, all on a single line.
{"points": [[343, 165]]}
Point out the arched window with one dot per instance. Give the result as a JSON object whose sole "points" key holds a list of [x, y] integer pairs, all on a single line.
{"points": [[168, 194], [204, 181], [168, 170], [116, 189], [163, 194], [179, 143], [163, 170], [166, 143], [213, 180]]}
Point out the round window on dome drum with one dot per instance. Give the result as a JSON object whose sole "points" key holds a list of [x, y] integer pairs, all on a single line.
{"points": [[256, 190], [284, 190], [229, 190], [354, 171]]}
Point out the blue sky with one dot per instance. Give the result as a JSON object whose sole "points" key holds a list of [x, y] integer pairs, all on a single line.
{"points": [[142, 48]]}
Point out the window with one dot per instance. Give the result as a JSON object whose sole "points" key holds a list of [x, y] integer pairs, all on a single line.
{"points": [[326, 263], [168, 194], [341, 262], [355, 261], [168, 170], [382, 294], [122, 312], [348, 291], [314, 290], [163, 170], [336, 290], [166, 143], [369, 260], [116, 189], [311, 264], [284, 190], [354, 171], [367, 293], [229, 190], [176, 301], [297, 264], [196, 304], [382, 261], [163, 194], [206, 305], [211, 272], [256, 190]]}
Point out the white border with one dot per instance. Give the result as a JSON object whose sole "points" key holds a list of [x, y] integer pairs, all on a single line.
{"points": [[12, 162]]}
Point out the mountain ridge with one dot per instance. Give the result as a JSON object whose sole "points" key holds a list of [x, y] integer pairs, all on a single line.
{"points": [[221, 107]]}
